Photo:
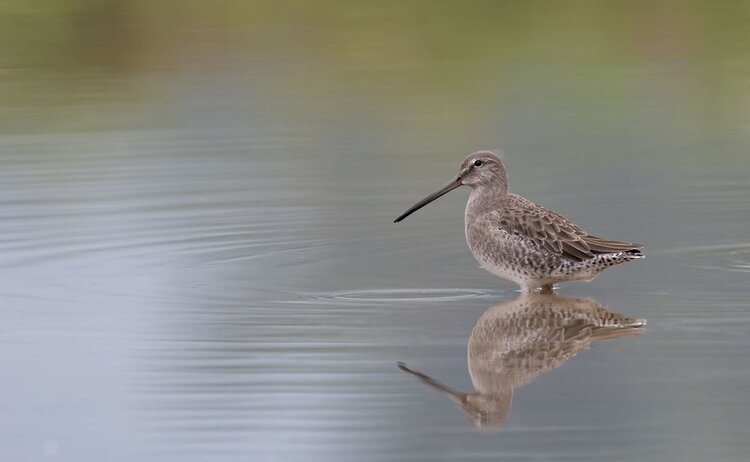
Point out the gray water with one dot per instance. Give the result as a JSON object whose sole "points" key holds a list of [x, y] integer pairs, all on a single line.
{"points": [[199, 260]]}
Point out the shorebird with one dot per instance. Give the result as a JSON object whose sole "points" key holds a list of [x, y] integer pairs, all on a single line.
{"points": [[516, 341], [516, 239]]}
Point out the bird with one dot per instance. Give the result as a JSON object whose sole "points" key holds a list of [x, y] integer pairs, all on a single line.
{"points": [[518, 240], [516, 341]]}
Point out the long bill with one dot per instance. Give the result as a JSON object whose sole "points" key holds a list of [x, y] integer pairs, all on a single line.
{"points": [[442, 191], [449, 392]]}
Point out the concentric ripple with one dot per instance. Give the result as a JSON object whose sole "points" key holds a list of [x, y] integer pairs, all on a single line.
{"points": [[389, 296], [153, 202], [735, 257]]}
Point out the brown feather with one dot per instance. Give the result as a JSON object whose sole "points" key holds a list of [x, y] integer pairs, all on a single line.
{"points": [[553, 232]]}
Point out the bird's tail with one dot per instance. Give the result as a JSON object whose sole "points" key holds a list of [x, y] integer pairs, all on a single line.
{"points": [[600, 245], [635, 253]]}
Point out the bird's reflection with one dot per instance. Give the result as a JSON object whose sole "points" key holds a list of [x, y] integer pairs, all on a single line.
{"points": [[515, 341]]}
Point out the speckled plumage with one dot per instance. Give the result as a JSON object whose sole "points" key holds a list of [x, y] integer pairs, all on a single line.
{"points": [[518, 240], [516, 341]]}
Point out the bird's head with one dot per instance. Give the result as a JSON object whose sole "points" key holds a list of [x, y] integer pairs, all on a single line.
{"points": [[480, 169]]}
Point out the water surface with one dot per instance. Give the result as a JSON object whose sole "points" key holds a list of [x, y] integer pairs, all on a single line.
{"points": [[199, 260]]}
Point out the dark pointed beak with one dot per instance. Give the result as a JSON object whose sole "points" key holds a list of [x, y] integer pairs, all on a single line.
{"points": [[450, 393], [444, 190]]}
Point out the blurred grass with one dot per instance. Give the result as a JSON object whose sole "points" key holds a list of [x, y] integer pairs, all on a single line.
{"points": [[138, 34], [82, 64]]}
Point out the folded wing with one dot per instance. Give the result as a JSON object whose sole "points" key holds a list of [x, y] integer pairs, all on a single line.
{"points": [[553, 232]]}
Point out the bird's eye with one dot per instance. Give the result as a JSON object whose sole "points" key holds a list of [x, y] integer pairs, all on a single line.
{"points": [[478, 163]]}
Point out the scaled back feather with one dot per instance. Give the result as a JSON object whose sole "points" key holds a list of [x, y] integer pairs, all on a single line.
{"points": [[553, 232]]}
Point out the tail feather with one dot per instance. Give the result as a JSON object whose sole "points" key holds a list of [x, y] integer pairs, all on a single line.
{"points": [[635, 253], [599, 245]]}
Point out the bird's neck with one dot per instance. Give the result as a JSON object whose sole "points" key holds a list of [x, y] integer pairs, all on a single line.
{"points": [[484, 198]]}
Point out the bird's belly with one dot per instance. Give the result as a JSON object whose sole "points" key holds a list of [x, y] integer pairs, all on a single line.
{"points": [[511, 257]]}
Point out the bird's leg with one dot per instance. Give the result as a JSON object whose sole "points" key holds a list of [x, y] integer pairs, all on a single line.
{"points": [[544, 289], [547, 289]]}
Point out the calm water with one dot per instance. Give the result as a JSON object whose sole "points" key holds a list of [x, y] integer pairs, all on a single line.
{"points": [[199, 260]]}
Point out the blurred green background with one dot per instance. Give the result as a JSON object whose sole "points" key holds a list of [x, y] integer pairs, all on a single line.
{"points": [[198, 254], [416, 68]]}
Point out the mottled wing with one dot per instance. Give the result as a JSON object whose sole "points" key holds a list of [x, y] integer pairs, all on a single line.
{"points": [[553, 232]]}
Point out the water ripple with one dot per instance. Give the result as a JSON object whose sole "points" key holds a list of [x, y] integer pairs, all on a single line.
{"points": [[733, 257], [389, 296], [150, 198]]}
